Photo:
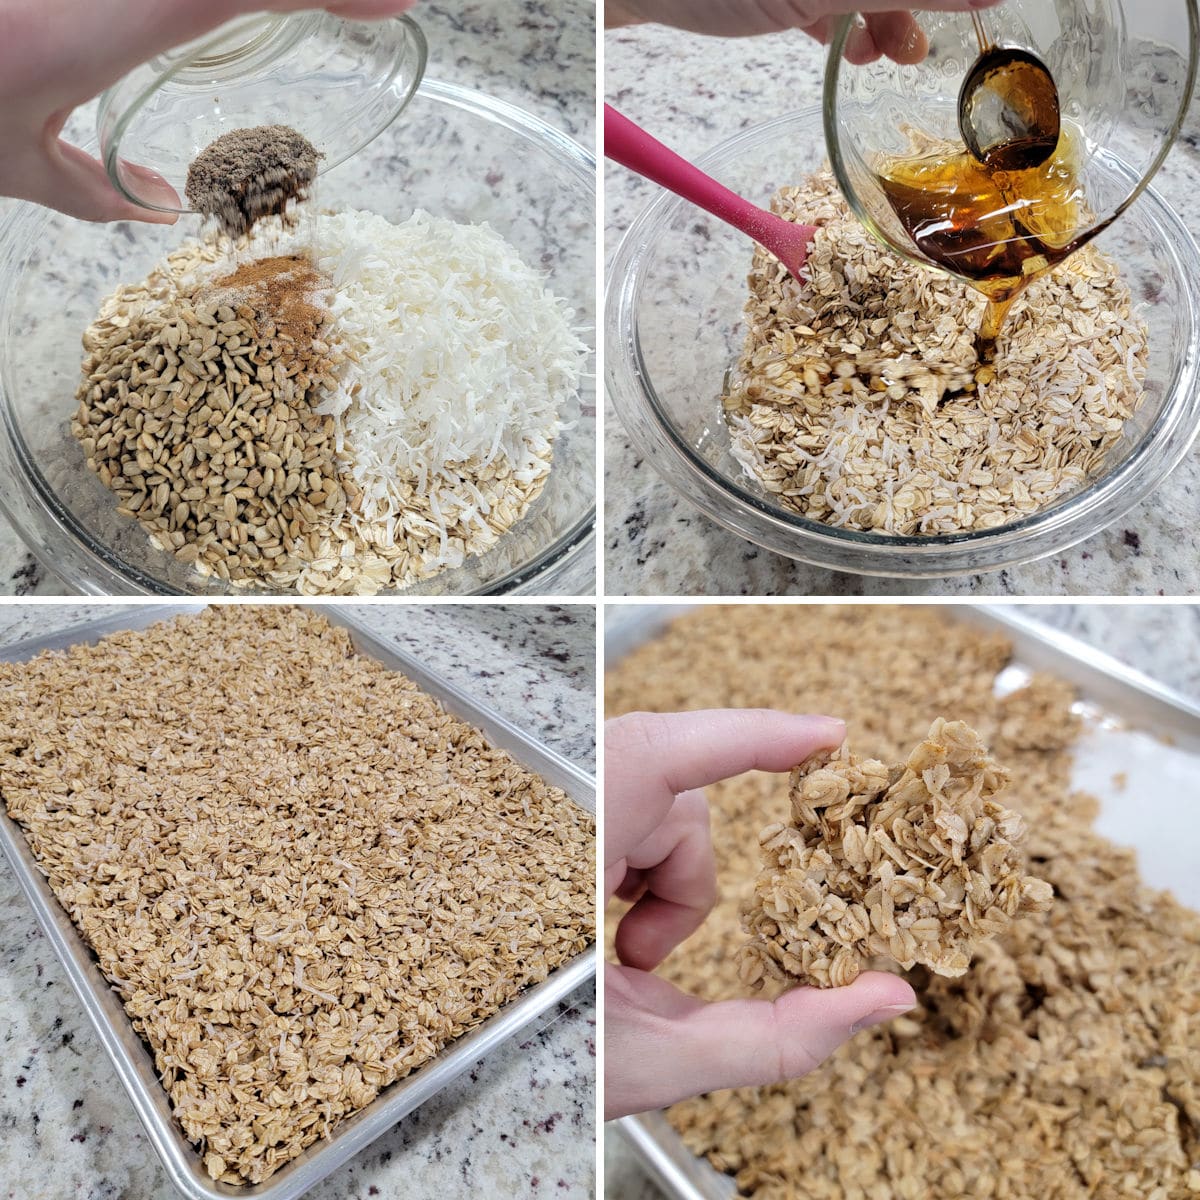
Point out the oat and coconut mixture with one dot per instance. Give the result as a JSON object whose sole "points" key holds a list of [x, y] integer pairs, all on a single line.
{"points": [[915, 862], [858, 400], [1065, 1063], [301, 875], [344, 424]]}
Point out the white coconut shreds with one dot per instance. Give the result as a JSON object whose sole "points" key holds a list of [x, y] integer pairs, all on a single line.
{"points": [[457, 362], [460, 356], [857, 399]]}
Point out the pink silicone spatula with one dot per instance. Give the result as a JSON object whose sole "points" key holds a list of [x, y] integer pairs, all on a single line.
{"points": [[633, 147]]}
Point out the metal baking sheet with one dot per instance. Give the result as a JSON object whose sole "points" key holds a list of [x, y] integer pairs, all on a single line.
{"points": [[129, 1054], [1139, 753]]}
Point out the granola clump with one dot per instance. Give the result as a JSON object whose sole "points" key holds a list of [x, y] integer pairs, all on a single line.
{"points": [[915, 863]]}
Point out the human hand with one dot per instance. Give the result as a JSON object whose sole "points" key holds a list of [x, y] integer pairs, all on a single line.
{"points": [[887, 31], [662, 1045], [57, 54]]}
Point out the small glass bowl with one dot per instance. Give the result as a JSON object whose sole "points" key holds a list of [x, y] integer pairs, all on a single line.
{"points": [[339, 82], [673, 327], [462, 155], [1125, 73]]}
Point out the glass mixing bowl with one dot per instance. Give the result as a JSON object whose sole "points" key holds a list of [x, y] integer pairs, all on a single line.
{"points": [[673, 327], [459, 154], [1124, 74]]}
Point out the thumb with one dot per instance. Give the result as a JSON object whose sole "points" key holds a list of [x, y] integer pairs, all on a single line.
{"points": [[65, 178], [825, 8], [662, 1045]]}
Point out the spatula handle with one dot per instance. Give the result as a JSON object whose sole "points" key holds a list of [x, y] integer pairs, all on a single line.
{"points": [[632, 147]]}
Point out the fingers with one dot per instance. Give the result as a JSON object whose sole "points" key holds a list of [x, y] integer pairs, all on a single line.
{"points": [[662, 1045], [768, 1041], [649, 758], [678, 875], [838, 7], [65, 178], [898, 35]]}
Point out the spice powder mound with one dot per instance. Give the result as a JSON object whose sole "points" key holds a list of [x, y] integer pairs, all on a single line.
{"points": [[286, 293], [1065, 1062], [302, 876], [247, 174]]}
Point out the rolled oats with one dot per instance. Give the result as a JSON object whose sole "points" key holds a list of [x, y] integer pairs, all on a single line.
{"points": [[301, 875], [858, 400]]}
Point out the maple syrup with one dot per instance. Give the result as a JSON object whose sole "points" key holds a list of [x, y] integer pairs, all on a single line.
{"points": [[1009, 211], [999, 229]]}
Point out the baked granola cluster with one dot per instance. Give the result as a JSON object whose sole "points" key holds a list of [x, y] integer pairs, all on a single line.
{"points": [[915, 863], [1065, 1063]]}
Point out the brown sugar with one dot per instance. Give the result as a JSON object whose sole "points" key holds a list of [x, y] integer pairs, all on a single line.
{"points": [[247, 174]]}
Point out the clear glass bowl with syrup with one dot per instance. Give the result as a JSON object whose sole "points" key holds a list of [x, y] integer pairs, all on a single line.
{"points": [[674, 326], [1124, 72]]}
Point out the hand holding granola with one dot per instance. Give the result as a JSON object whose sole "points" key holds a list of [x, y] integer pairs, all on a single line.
{"points": [[661, 1044]]}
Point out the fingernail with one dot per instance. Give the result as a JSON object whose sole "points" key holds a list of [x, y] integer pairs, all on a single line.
{"points": [[879, 1016], [836, 730], [833, 724]]}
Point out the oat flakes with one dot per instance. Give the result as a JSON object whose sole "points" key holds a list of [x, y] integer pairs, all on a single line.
{"points": [[858, 400], [916, 863], [301, 875]]}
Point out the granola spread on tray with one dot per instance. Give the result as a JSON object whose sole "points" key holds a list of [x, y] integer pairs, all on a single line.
{"points": [[858, 400], [915, 862], [301, 875], [1065, 1062]]}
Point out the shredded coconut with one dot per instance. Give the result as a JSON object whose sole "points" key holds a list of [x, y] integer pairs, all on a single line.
{"points": [[460, 360]]}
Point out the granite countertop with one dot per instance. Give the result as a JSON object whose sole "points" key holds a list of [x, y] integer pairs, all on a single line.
{"points": [[1162, 641], [693, 93], [536, 54], [519, 1124]]}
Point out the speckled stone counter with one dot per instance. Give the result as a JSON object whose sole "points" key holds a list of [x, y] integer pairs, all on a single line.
{"points": [[520, 1124], [537, 54], [693, 93], [1162, 641]]}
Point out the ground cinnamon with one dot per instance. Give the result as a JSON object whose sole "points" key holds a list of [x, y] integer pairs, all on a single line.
{"points": [[282, 290]]}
